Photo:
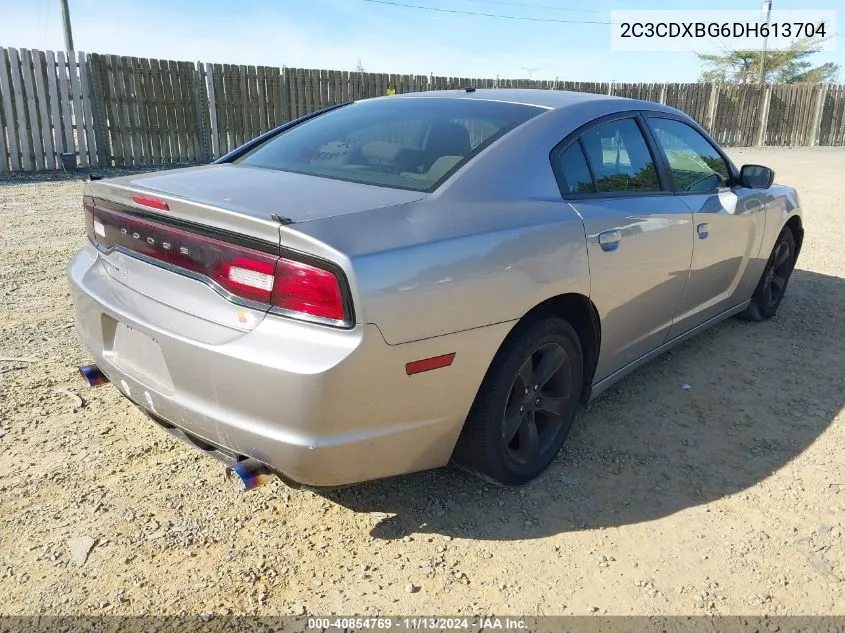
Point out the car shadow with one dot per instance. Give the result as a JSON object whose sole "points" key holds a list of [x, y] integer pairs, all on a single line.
{"points": [[712, 417]]}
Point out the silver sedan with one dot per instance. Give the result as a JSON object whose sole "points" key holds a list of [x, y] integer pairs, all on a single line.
{"points": [[388, 285]]}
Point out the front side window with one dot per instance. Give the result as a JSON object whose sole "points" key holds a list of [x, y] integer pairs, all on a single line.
{"points": [[408, 143], [620, 158], [694, 162]]}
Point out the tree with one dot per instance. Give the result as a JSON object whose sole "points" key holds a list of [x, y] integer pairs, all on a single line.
{"points": [[789, 66], [359, 67]]}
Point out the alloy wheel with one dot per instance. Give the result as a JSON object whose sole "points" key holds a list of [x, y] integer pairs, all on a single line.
{"points": [[535, 413]]}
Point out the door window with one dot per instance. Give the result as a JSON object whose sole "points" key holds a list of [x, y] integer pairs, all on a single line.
{"points": [[620, 158], [574, 171], [694, 162]]}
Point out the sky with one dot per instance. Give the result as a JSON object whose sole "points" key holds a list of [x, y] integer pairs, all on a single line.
{"points": [[335, 34]]}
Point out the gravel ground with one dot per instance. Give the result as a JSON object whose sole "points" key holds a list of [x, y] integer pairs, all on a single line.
{"points": [[724, 498]]}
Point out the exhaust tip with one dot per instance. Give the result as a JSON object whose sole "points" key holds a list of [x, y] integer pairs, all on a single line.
{"points": [[247, 475], [93, 375]]}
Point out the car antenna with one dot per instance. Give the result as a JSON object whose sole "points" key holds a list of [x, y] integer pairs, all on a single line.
{"points": [[281, 219]]}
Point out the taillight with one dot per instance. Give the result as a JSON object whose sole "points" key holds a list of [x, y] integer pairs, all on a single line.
{"points": [[295, 288], [307, 289]]}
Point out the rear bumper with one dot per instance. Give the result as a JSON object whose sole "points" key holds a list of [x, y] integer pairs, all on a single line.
{"points": [[324, 407]]}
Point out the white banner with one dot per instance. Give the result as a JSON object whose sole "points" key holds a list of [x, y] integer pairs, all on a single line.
{"points": [[720, 31]]}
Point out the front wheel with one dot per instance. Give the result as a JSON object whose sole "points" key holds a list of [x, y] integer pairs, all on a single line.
{"points": [[526, 403], [772, 286]]}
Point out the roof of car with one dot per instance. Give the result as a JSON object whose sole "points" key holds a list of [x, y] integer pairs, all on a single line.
{"points": [[551, 99]]}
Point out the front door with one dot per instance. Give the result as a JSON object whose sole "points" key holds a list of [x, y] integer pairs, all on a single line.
{"points": [[727, 227]]}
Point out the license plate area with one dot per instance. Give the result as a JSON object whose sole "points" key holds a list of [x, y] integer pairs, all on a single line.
{"points": [[136, 353]]}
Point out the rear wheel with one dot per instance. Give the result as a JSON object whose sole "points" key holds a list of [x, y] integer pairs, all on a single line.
{"points": [[526, 404], [772, 286]]}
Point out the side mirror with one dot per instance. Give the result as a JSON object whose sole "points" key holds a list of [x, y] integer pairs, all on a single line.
{"points": [[756, 177]]}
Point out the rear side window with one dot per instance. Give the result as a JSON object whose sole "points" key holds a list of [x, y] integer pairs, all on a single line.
{"points": [[574, 171], [407, 143], [620, 158]]}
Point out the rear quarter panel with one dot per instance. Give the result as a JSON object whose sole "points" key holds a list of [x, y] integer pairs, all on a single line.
{"points": [[415, 280]]}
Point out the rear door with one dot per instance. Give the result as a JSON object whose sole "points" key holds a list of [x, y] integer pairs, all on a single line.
{"points": [[639, 235], [728, 220]]}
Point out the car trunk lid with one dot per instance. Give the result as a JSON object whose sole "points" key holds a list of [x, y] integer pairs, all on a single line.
{"points": [[258, 193]]}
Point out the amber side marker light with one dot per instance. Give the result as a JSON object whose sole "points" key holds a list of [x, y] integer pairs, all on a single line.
{"points": [[427, 364]]}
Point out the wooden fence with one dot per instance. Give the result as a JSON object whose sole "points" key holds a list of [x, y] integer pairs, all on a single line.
{"points": [[46, 109], [150, 111], [108, 110]]}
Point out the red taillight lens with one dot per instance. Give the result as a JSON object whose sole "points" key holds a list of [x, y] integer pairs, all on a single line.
{"points": [[307, 289], [292, 286]]}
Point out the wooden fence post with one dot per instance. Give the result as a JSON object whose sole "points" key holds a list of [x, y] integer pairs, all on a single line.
{"points": [[212, 110], [815, 122], [285, 98], [55, 104], [11, 129], [98, 110], [221, 114], [202, 94], [17, 92], [78, 113], [27, 71], [4, 123], [764, 116], [712, 104], [39, 61], [87, 109], [4, 158]]}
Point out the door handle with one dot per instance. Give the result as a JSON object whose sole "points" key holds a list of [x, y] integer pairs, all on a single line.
{"points": [[703, 230], [609, 240]]}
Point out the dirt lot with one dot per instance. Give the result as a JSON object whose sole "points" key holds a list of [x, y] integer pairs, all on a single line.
{"points": [[728, 497]]}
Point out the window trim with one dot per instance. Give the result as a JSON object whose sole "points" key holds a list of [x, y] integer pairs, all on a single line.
{"points": [[575, 136], [733, 173]]}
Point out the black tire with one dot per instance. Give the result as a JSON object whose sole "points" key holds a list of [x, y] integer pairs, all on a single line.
{"points": [[772, 285], [539, 428]]}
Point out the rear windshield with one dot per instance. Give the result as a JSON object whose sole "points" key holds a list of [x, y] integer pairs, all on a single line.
{"points": [[407, 143]]}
